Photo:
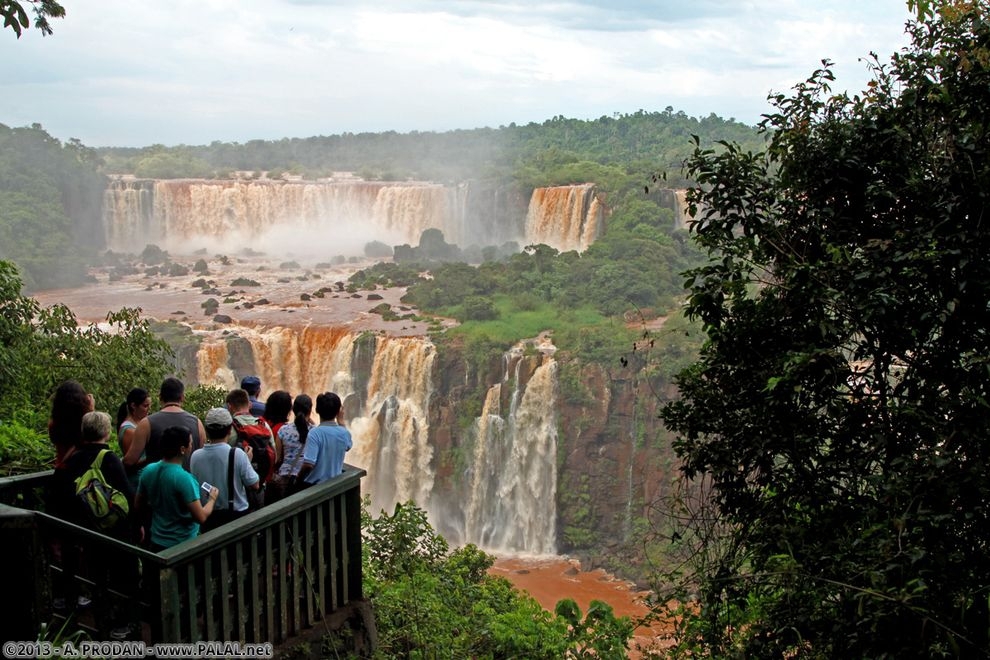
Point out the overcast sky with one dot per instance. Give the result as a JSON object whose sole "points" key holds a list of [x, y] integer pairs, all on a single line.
{"points": [[140, 72]]}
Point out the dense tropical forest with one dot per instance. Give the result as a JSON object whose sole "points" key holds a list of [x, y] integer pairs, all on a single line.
{"points": [[51, 204], [558, 151], [839, 411]]}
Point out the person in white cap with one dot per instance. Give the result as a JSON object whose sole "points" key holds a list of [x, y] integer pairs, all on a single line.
{"points": [[228, 468]]}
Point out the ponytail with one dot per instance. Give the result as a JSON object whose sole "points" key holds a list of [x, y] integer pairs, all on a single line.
{"points": [[301, 408]]}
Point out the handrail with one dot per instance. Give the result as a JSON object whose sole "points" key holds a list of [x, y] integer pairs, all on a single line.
{"points": [[247, 525], [264, 577]]}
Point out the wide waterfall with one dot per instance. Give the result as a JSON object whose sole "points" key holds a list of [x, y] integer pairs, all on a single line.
{"points": [[322, 219], [503, 502], [311, 359], [339, 217]]}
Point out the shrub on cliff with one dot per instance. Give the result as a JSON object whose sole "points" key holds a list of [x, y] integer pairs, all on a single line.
{"points": [[477, 308]]}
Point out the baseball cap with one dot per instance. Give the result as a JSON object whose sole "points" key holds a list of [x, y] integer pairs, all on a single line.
{"points": [[218, 417], [250, 383]]}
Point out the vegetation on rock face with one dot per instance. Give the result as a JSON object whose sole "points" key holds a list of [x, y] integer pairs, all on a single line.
{"points": [[839, 411], [579, 298]]}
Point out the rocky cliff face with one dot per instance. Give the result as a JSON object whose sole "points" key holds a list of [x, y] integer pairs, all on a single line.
{"points": [[616, 464], [530, 451]]}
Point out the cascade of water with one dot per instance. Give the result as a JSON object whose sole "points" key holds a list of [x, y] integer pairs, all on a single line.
{"points": [[489, 456], [510, 503], [594, 219], [312, 360], [681, 215], [508, 499], [211, 364], [564, 217], [408, 211], [127, 212], [332, 373], [173, 213], [277, 360], [227, 215], [391, 438]]}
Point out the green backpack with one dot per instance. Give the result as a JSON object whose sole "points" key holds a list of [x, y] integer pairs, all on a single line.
{"points": [[104, 505]]}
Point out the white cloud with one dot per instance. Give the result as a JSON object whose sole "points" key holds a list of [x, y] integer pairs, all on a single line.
{"points": [[137, 72]]}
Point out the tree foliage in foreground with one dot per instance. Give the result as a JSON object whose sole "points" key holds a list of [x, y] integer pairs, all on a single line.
{"points": [[839, 409], [15, 15], [431, 601], [41, 347]]}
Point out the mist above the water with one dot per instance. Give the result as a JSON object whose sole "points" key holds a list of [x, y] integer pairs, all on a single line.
{"points": [[294, 241]]}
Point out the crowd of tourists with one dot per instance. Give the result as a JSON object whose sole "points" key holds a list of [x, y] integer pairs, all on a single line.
{"points": [[176, 476]]}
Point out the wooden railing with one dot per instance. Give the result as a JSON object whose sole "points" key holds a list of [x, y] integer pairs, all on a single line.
{"points": [[266, 577]]}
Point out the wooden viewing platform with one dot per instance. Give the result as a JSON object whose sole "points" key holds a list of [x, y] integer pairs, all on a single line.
{"points": [[268, 577]]}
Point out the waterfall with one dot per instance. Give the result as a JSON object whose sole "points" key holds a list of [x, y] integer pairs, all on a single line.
{"points": [[392, 437], [313, 359], [410, 210], [212, 364], [510, 503], [127, 214], [489, 454], [391, 428], [506, 502], [681, 215], [315, 217], [228, 215], [565, 217]]}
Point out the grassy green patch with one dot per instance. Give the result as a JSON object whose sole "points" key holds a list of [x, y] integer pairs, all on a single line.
{"points": [[515, 323]]}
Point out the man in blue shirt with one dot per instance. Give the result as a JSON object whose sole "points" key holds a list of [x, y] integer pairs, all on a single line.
{"points": [[252, 385], [323, 456]]}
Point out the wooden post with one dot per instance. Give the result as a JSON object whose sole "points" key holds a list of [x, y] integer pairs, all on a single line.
{"points": [[23, 554]]}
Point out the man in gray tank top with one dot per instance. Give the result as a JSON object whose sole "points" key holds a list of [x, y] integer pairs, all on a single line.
{"points": [[148, 434]]}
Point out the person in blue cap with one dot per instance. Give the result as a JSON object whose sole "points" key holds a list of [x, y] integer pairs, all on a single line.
{"points": [[252, 385]]}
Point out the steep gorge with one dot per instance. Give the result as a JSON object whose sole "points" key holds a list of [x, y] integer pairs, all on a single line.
{"points": [[521, 455]]}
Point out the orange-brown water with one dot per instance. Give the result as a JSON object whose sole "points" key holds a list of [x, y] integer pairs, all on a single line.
{"points": [[553, 579]]}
